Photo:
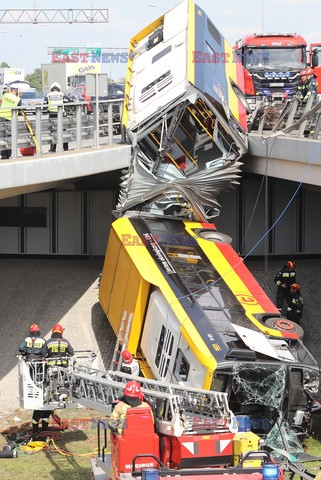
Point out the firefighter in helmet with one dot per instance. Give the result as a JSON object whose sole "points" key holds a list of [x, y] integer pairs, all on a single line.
{"points": [[308, 85], [132, 398], [129, 364], [295, 306], [57, 348], [284, 279], [31, 347]]}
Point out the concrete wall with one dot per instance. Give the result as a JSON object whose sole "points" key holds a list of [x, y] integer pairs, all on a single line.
{"points": [[294, 214], [78, 222]]}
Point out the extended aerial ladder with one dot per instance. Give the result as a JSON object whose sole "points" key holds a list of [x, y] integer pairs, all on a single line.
{"points": [[45, 388]]}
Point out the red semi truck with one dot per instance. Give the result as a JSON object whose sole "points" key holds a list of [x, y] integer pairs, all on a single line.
{"points": [[272, 63], [315, 62]]}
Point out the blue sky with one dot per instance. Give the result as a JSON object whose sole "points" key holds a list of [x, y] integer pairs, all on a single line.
{"points": [[26, 45]]}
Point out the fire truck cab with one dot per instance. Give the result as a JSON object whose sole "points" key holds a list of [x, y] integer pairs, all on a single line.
{"points": [[315, 62], [271, 64]]}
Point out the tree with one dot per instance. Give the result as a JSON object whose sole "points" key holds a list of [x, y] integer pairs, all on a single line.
{"points": [[4, 65], [35, 79]]}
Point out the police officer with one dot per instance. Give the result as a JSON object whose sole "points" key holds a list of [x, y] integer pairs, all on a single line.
{"points": [[295, 306], [10, 100], [132, 398], [284, 279], [129, 365], [57, 348], [308, 85], [52, 100], [31, 347]]}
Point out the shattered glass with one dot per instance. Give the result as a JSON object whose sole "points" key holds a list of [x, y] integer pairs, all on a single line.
{"points": [[259, 384], [311, 382], [283, 438]]}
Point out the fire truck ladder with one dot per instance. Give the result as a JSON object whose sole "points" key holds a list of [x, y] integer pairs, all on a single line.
{"points": [[98, 389], [121, 340]]}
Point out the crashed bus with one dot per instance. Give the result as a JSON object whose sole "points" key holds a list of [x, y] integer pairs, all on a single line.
{"points": [[192, 312]]}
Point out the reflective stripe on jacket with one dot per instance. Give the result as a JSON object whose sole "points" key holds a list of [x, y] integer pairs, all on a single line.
{"points": [[32, 346], [9, 101], [54, 99]]}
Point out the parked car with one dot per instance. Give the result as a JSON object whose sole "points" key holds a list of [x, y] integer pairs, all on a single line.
{"points": [[29, 99]]}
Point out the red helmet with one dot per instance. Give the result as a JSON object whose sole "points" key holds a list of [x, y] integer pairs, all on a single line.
{"points": [[309, 71], [296, 287], [34, 328], [303, 73], [57, 328], [127, 356], [132, 389], [291, 265]]}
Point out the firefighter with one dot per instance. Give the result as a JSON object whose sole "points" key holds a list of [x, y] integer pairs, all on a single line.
{"points": [[10, 100], [295, 306], [129, 365], [38, 415], [132, 398], [31, 347], [52, 100], [284, 279], [308, 85], [57, 348]]}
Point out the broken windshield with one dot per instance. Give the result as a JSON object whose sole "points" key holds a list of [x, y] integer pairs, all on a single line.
{"points": [[283, 440], [259, 384]]}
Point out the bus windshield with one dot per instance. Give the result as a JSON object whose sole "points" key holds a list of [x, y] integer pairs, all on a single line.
{"points": [[275, 58]]}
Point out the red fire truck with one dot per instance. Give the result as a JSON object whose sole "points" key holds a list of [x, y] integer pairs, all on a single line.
{"points": [[315, 62], [272, 63]]}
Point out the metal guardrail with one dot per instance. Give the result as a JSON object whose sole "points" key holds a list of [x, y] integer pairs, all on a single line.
{"points": [[292, 118], [72, 125]]}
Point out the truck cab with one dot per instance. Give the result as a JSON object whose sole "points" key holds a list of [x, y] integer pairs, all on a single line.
{"points": [[271, 65], [315, 62]]}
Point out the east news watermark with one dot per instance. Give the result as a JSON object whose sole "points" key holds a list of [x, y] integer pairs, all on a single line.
{"points": [[122, 57]]}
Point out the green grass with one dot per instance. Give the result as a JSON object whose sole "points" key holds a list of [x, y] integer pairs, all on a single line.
{"points": [[52, 464]]}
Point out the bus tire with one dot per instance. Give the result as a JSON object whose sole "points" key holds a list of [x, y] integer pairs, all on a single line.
{"points": [[284, 325]]}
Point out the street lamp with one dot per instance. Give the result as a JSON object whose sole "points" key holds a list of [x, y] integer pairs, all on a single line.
{"points": [[53, 28], [156, 6], [20, 43]]}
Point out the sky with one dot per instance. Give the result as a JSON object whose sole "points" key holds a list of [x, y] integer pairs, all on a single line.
{"points": [[26, 46]]}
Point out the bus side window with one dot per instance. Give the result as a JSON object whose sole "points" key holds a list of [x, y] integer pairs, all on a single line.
{"points": [[181, 367]]}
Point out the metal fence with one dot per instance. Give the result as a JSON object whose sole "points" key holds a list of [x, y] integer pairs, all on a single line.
{"points": [[291, 118], [72, 124]]}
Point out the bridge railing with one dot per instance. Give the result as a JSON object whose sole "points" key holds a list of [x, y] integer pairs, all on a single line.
{"points": [[73, 124], [292, 118]]}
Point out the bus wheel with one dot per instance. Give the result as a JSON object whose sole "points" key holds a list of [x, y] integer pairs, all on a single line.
{"points": [[284, 325]]}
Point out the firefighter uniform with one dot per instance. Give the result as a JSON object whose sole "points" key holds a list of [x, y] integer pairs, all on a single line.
{"points": [[129, 364], [118, 415], [38, 415], [284, 279], [295, 307], [57, 348], [306, 89], [31, 347], [132, 398]]}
